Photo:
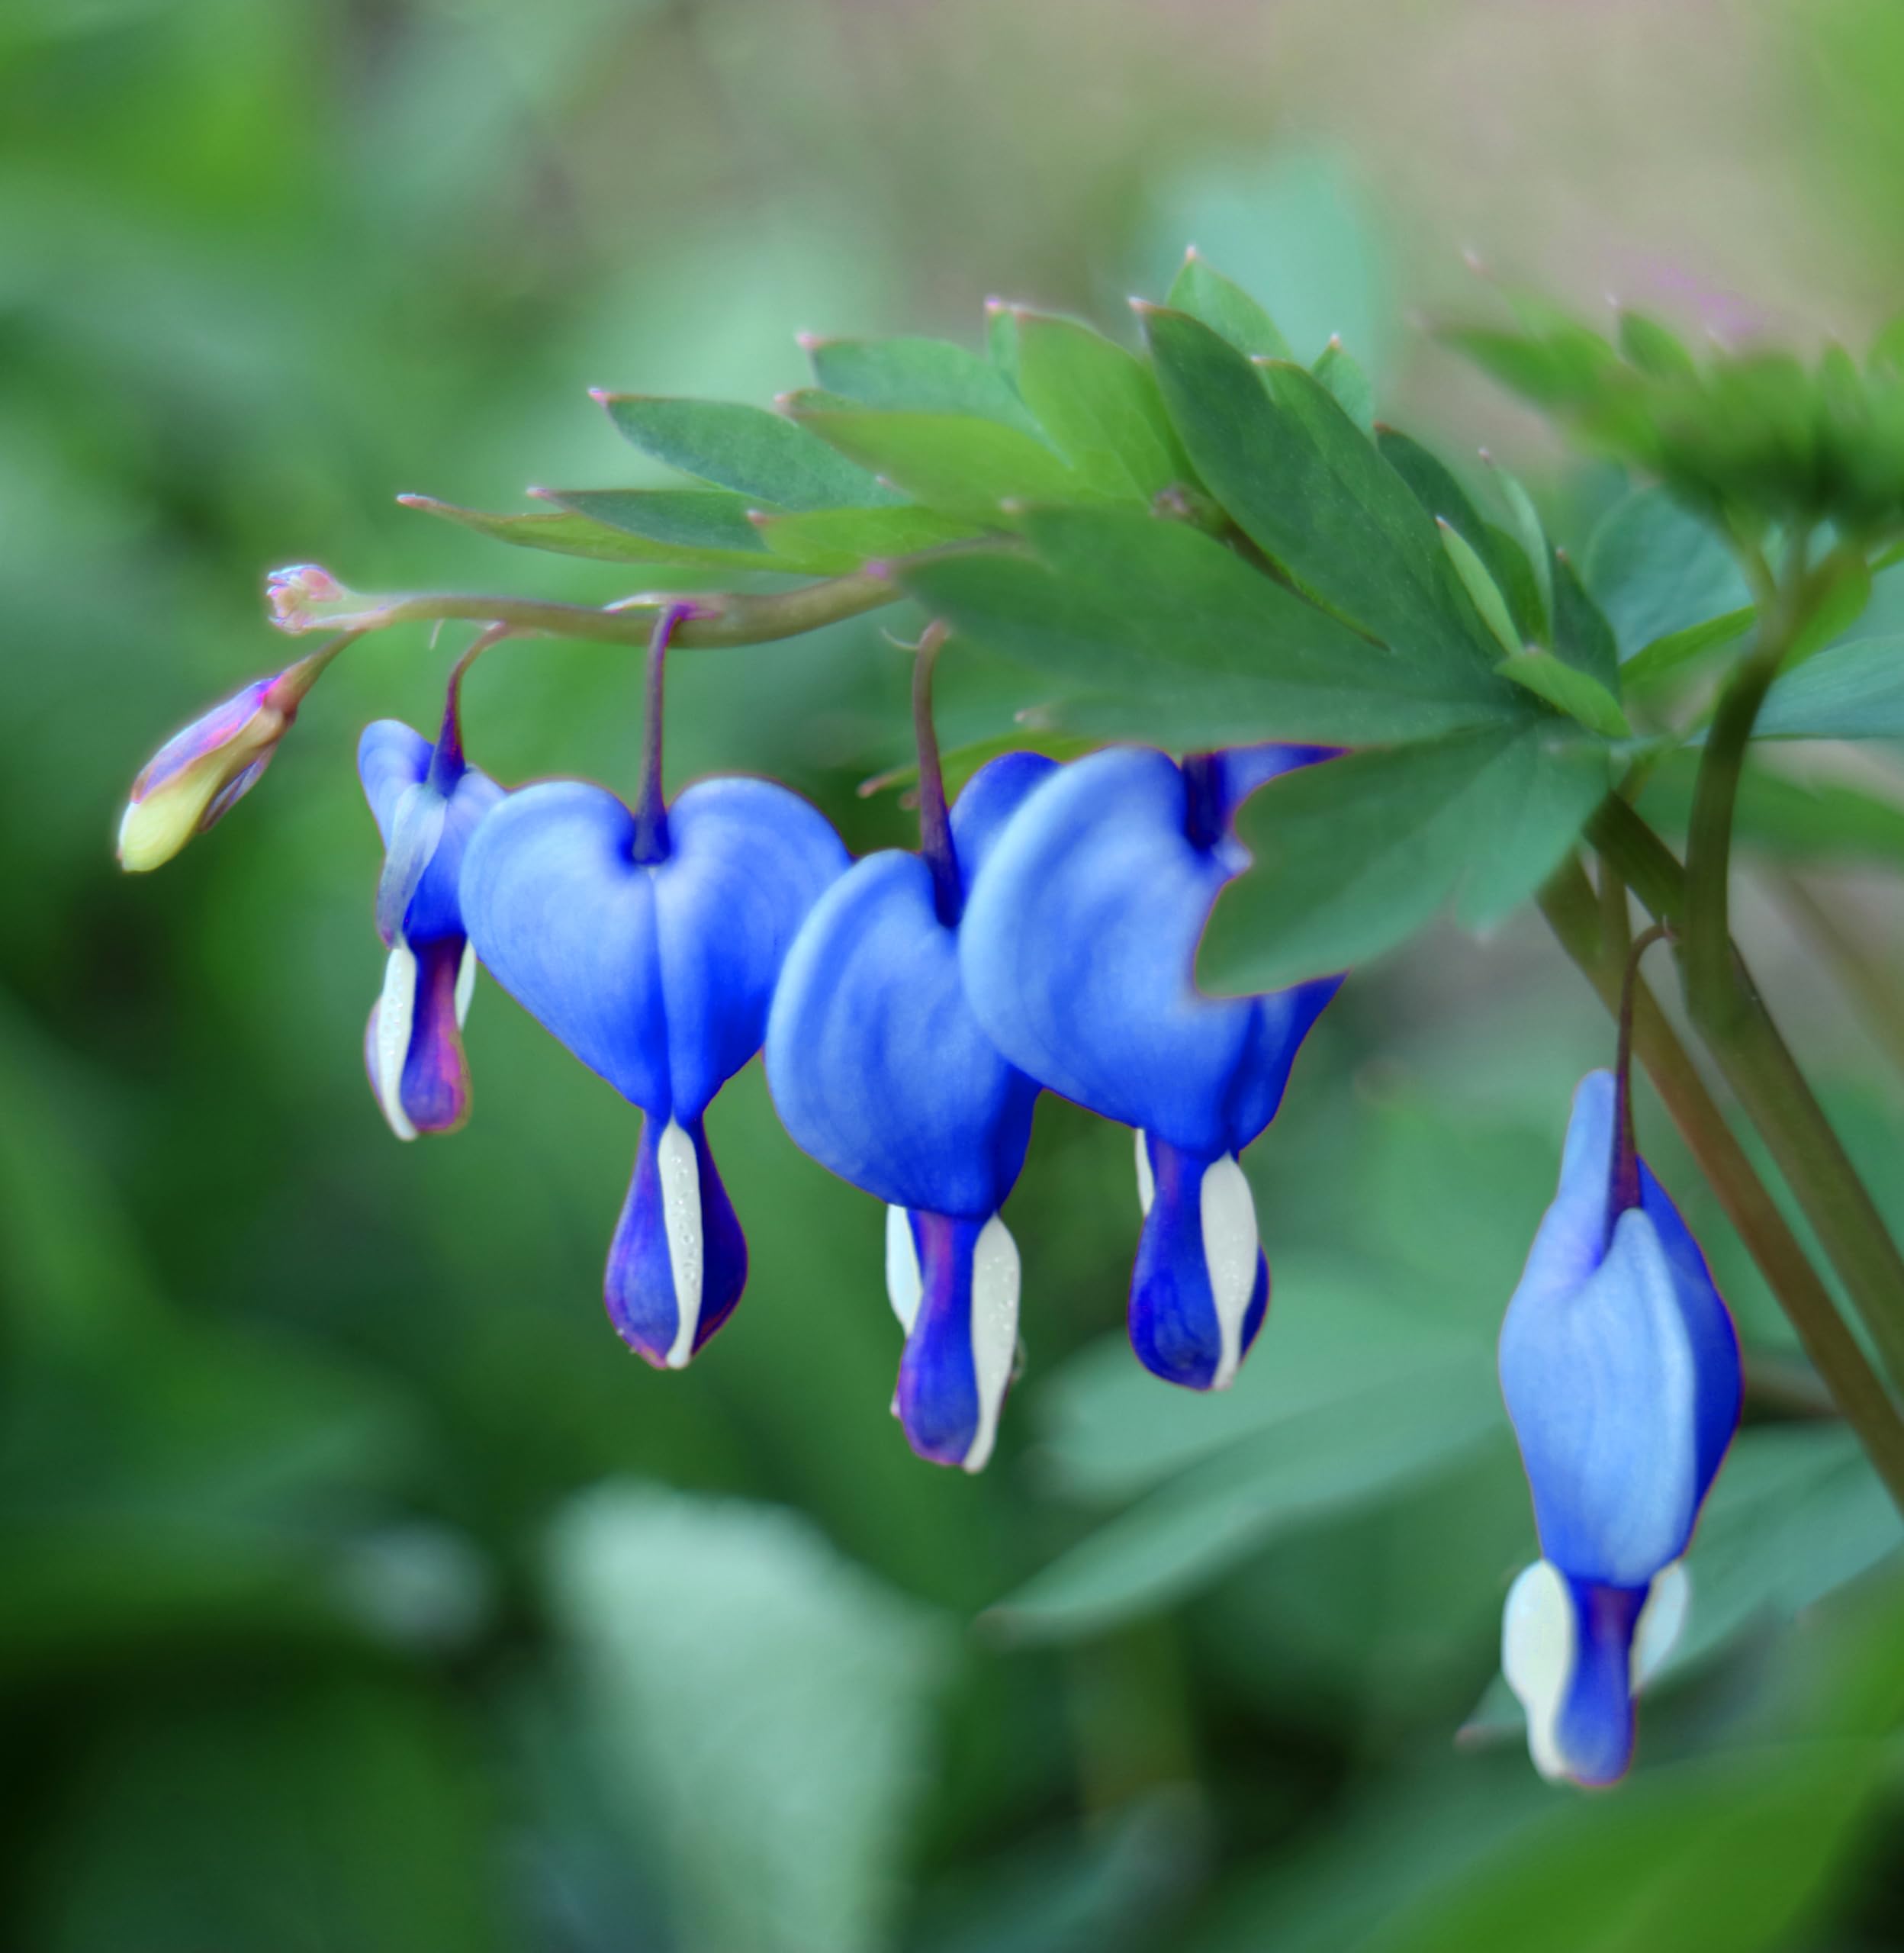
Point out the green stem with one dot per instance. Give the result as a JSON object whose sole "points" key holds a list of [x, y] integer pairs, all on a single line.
{"points": [[1568, 903], [1762, 1072], [722, 619]]}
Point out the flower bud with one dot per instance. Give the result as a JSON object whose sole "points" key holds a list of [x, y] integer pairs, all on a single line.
{"points": [[306, 596], [199, 774]]}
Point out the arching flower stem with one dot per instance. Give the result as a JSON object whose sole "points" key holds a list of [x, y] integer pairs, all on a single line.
{"points": [[1624, 1192], [650, 807], [447, 762], [936, 846]]}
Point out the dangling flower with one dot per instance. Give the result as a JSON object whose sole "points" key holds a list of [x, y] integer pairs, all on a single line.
{"points": [[1621, 1371], [879, 1069], [648, 942], [428, 801], [199, 775], [1077, 951]]}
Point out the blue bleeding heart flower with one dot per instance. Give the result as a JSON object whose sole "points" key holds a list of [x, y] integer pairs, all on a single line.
{"points": [[1621, 1371], [882, 1071], [428, 801], [1078, 951], [649, 945]]}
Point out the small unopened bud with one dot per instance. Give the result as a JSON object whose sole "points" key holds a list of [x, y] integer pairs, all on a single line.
{"points": [[306, 596], [199, 774]]}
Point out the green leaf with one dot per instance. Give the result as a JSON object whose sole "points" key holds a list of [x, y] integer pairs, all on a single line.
{"points": [[1656, 571], [1783, 817], [1531, 534], [704, 524], [828, 542], [1351, 857], [1002, 337], [1225, 307], [961, 467], [1293, 470], [920, 376], [1652, 675], [1480, 585], [1101, 406], [1852, 691], [1436, 487], [1582, 637], [566, 535], [1645, 343], [1116, 604], [1559, 371], [1735, 1851], [1343, 1452], [1336, 1336], [737, 1664], [1567, 690], [761, 455], [1338, 371]]}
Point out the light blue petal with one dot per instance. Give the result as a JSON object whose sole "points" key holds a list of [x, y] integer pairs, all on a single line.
{"points": [[1601, 1387], [565, 921], [747, 861], [1243, 769], [878, 1067], [1571, 1239], [1079, 944], [391, 756], [987, 800], [435, 912]]}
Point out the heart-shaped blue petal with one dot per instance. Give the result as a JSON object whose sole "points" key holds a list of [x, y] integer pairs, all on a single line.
{"points": [[393, 762], [1079, 944], [878, 1067], [658, 976]]}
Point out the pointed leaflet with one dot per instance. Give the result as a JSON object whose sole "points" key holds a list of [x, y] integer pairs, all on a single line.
{"points": [[1116, 604], [713, 519], [1351, 857], [920, 376], [757, 454], [1225, 307], [1293, 471], [1852, 691], [1101, 406], [1658, 572], [1436, 489], [565, 534], [956, 464], [830, 541], [1567, 690], [1340, 373]]}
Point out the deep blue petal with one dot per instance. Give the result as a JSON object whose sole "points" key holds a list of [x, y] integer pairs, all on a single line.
{"points": [[1241, 770], [1709, 1324], [987, 800], [640, 1288], [565, 921], [1079, 944], [1176, 1328], [392, 759], [658, 976], [877, 1065], [937, 1399], [1594, 1728], [747, 859]]}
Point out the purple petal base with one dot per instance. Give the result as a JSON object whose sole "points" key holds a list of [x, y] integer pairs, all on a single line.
{"points": [[1594, 1729], [937, 1400], [638, 1288], [1174, 1326]]}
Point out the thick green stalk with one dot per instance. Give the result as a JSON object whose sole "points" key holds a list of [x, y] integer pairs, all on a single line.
{"points": [[1568, 903], [1776, 1098]]}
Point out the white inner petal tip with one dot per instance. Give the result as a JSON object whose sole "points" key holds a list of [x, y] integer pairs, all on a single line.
{"points": [[396, 1011], [1661, 1621], [995, 1332], [1538, 1639], [1231, 1245], [465, 984], [903, 1283], [680, 1173], [1147, 1180]]}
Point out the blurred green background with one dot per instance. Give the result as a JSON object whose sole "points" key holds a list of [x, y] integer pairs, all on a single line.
{"points": [[357, 1591]]}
